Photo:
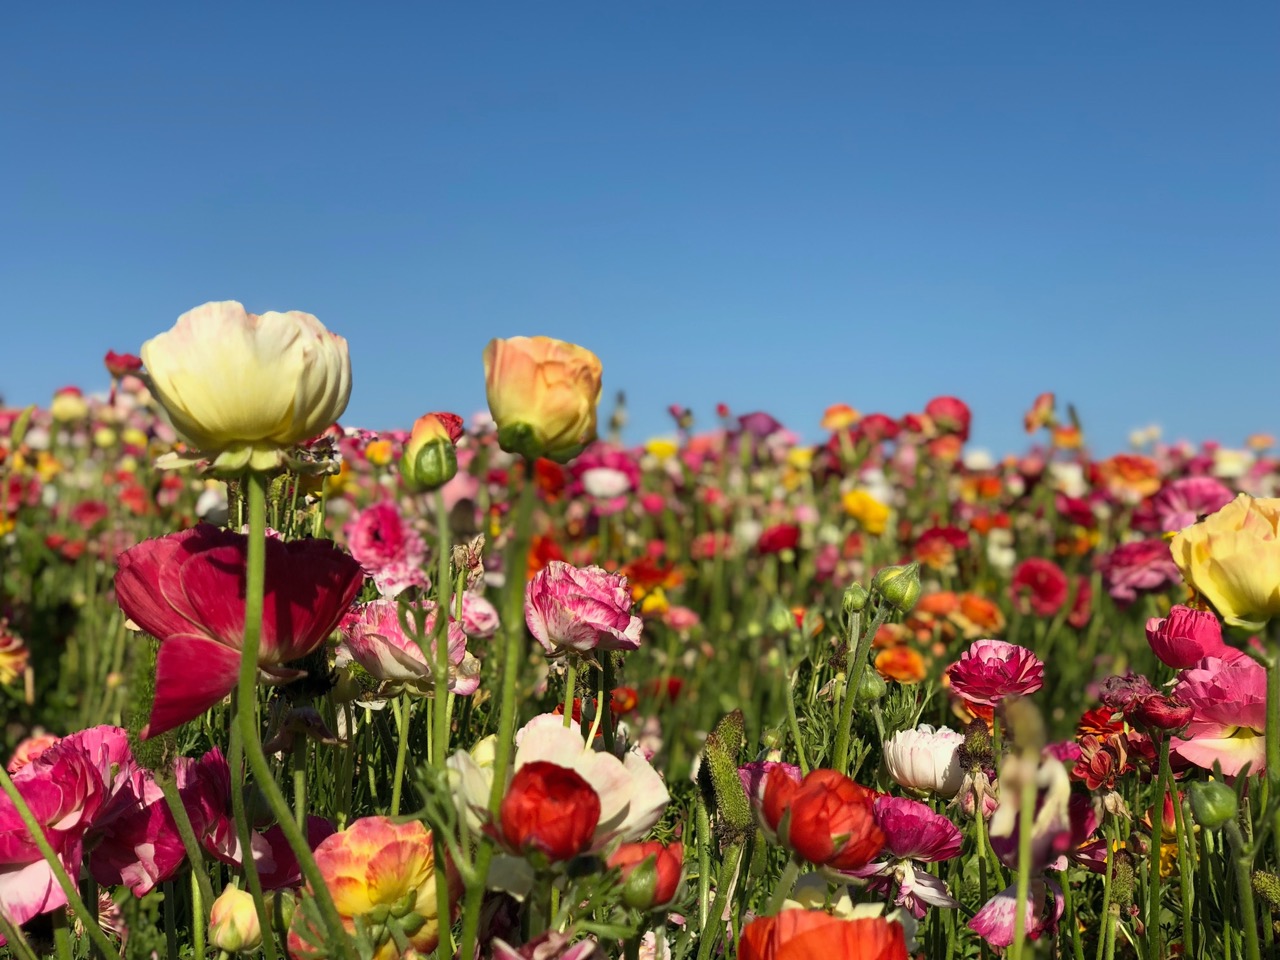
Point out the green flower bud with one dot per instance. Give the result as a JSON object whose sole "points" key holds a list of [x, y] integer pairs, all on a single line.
{"points": [[1213, 803], [855, 598], [871, 687], [233, 922], [900, 586], [718, 775], [430, 460], [781, 620], [641, 886], [1267, 886]]}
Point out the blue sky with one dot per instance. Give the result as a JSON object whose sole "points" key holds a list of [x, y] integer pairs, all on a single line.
{"points": [[775, 205]]}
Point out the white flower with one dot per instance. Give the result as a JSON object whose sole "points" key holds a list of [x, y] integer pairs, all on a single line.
{"points": [[925, 759]]}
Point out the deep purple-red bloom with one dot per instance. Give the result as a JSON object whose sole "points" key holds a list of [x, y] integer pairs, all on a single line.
{"points": [[580, 609], [991, 670], [188, 591]]}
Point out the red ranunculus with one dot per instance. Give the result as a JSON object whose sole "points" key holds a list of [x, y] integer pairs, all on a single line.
{"points": [[826, 818], [802, 934], [1038, 586], [551, 809], [950, 415], [188, 591], [667, 865], [782, 536]]}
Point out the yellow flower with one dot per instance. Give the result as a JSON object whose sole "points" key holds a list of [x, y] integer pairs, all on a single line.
{"points": [[867, 510], [661, 448], [13, 654], [654, 604], [242, 388], [378, 452], [233, 922], [543, 395], [1232, 559]]}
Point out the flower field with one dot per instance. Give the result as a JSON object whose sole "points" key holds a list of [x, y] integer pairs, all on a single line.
{"points": [[274, 685]]}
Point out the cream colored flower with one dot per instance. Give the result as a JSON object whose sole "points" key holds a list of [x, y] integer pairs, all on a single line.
{"points": [[243, 388], [1232, 559]]}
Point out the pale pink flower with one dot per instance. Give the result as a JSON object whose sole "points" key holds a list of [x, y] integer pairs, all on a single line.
{"points": [[388, 548], [373, 636], [991, 670], [1229, 704], [577, 609], [926, 760], [995, 922]]}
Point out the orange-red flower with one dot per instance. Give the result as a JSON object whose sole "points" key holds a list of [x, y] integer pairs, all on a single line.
{"points": [[652, 885], [826, 818], [550, 809], [901, 663], [804, 934]]}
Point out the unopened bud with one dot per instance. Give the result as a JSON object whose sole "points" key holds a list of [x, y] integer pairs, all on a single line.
{"points": [[855, 598], [781, 619], [233, 922], [899, 585], [1214, 804], [430, 460], [871, 688]]}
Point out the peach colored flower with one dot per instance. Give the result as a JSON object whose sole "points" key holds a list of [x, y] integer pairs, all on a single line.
{"points": [[543, 395]]}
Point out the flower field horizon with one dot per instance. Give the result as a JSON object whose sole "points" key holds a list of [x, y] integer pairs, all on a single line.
{"points": [[275, 685]]}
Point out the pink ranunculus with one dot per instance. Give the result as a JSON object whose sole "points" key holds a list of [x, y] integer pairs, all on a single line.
{"points": [[64, 790], [991, 670], [479, 617], [29, 749], [913, 834], [995, 922], [388, 548], [578, 609], [372, 636], [1142, 565], [1182, 502], [285, 871], [1186, 637], [950, 415], [1228, 699], [187, 590]]}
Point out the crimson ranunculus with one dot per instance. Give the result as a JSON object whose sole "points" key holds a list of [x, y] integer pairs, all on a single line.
{"points": [[1038, 586], [826, 818], [950, 415], [1187, 636], [550, 809], [801, 934], [188, 590]]}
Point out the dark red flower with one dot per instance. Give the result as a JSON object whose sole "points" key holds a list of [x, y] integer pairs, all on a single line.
{"points": [[1038, 586], [782, 536], [950, 415]]}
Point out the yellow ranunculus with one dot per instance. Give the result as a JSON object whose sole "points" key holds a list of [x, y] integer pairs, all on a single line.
{"points": [[1232, 559], [242, 388], [543, 395], [867, 510]]}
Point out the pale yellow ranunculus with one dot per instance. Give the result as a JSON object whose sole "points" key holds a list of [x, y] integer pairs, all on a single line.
{"points": [[242, 388], [1232, 559], [543, 395]]}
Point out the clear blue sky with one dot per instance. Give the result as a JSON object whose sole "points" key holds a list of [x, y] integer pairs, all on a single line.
{"points": [[777, 205]]}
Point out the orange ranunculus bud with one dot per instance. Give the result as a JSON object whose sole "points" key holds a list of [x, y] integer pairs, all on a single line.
{"points": [[800, 934], [430, 459], [543, 395], [839, 416], [1232, 559], [826, 818], [550, 809], [651, 873]]}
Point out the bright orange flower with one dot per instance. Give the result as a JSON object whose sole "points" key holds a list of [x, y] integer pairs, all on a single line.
{"points": [[803, 934], [979, 615], [1068, 438], [941, 603], [839, 416], [902, 664], [1041, 413], [1130, 477], [542, 550]]}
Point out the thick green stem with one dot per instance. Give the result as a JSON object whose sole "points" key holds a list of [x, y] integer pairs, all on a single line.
{"points": [[512, 657], [188, 835], [853, 671], [62, 932], [711, 922], [246, 719], [199, 904], [785, 884], [1157, 839], [235, 760], [440, 704], [87, 917], [1184, 875], [1242, 860], [1026, 818], [402, 751]]}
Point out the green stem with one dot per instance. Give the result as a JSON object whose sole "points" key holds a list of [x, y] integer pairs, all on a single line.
{"points": [[188, 835], [87, 917], [440, 703], [244, 832], [16, 939], [1073, 924], [255, 580], [570, 688], [785, 884], [793, 722], [604, 707], [1154, 932], [1106, 895], [170, 921], [1184, 874], [853, 683], [402, 750], [198, 921], [300, 782], [512, 655], [62, 933], [1026, 818], [1242, 860], [711, 922]]}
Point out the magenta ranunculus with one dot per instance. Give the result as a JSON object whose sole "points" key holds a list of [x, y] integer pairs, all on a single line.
{"points": [[995, 922], [1143, 565], [991, 670], [1228, 699], [64, 789], [578, 609], [1187, 636], [372, 636], [187, 590], [388, 548], [913, 833]]}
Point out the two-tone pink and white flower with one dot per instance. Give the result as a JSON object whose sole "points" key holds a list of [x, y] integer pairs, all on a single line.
{"points": [[388, 548], [913, 834], [580, 609], [926, 760], [1228, 699], [374, 637]]}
